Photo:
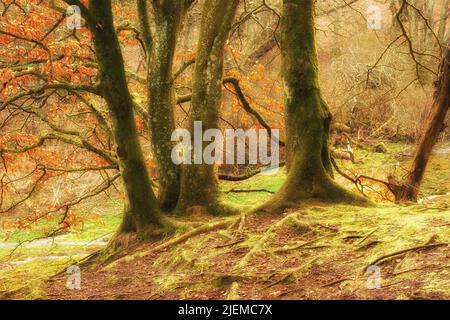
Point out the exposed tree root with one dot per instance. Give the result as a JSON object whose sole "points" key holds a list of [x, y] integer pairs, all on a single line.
{"points": [[121, 246], [185, 236], [368, 245], [233, 293], [230, 244], [287, 292], [124, 241], [258, 247], [292, 273], [302, 228], [390, 255], [324, 190], [276, 206], [335, 282], [299, 246], [118, 246], [213, 208], [192, 233], [241, 225], [237, 222]]}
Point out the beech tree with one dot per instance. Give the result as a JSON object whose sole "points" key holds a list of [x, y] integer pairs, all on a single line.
{"points": [[307, 116], [141, 208], [409, 189], [199, 186], [168, 16], [115, 135]]}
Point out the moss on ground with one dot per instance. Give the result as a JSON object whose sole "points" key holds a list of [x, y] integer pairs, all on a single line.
{"points": [[322, 252], [26, 281]]}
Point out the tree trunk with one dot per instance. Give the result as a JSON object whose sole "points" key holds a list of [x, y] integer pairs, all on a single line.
{"points": [[199, 186], [141, 209], [307, 115], [410, 189], [167, 20]]}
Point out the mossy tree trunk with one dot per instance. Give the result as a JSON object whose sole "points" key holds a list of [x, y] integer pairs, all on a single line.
{"points": [[409, 191], [168, 17], [141, 211], [307, 115], [199, 186]]}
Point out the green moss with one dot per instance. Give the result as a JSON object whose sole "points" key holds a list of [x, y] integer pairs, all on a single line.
{"points": [[26, 281], [349, 238]]}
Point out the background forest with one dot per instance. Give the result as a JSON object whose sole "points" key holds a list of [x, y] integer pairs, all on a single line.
{"points": [[91, 92]]}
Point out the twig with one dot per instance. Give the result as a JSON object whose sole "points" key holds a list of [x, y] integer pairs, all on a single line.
{"points": [[248, 190], [367, 236]]}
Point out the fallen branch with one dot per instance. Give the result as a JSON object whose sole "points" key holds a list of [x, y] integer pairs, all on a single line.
{"points": [[248, 190], [253, 173], [357, 180]]}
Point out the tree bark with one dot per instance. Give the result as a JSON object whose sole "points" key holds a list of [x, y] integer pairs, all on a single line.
{"points": [[141, 210], [199, 185], [168, 16], [410, 189], [307, 115]]}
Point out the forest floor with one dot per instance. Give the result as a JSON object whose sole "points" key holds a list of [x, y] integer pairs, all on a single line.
{"points": [[317, 251]]}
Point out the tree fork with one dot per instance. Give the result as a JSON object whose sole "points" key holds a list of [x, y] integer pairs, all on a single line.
{"points": [[168, 16], [141, 212]]}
